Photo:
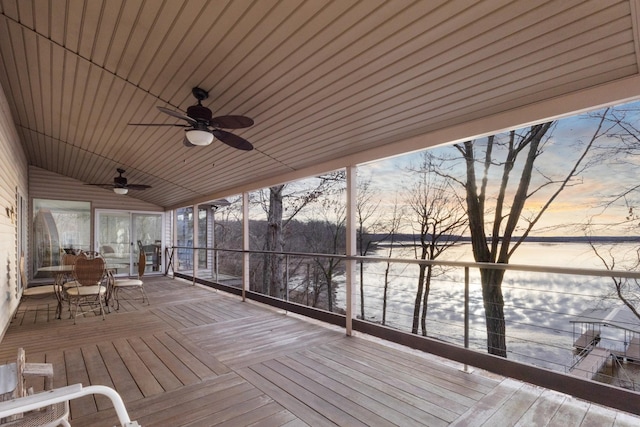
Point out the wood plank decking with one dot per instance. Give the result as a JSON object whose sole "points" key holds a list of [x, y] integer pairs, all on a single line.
{"points": [[198, 357]]}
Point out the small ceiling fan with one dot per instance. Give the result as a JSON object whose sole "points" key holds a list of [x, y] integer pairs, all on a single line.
{"points": [[202, 127], [120, 185]]}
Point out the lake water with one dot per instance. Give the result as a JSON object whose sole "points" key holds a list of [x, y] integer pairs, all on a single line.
{"points": [[538, 306]]}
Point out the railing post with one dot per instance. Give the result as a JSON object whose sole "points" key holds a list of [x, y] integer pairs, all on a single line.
{"points": [[286, 277], [245, 245], [215, 263], [195, 243], [351, 249], [466, 312]]}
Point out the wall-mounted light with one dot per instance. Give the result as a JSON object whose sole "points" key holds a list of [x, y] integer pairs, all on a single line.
{"points": [[11, 214]]}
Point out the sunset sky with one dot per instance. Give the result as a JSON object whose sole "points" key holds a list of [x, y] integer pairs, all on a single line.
{"points": [[576, 205]]}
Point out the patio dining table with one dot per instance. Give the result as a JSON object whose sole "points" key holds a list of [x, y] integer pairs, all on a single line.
{"points": [[64, 270]]}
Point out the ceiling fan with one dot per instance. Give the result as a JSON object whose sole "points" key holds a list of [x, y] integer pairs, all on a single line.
{"points": [[120, 185], [202, 127]]}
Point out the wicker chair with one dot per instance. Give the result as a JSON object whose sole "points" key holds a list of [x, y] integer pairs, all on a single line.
{"points": [[88, 287], [52, 415], [120, 284]]}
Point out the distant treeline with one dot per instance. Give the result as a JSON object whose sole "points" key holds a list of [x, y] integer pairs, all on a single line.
{"points": [[405, 237]]}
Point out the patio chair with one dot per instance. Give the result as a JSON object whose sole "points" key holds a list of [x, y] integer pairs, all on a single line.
{"points": [[120, 284], [88, 288], [42, 291], [54, 414]]}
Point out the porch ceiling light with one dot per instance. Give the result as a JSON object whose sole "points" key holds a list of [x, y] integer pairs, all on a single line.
{"points": [[120, 190], [199, 137]]}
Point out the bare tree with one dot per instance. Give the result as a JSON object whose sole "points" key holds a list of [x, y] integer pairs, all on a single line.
{"points": [[621, 150], [331, 239], [439, 213], [368, 218], [393, 226], [625, 289], [494, 241], [274, 243]]}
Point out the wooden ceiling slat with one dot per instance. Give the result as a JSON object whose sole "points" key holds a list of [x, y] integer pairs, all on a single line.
{"points": [[121, 94], [252, 52], [391, 64], [214, 47], [10, 73], [97, 93], [57, 63], [78, 96], [299, 77], [67, 76], [57, 30], [26, 14], [285, 48], [154, 39], [450, 72], [10, 8], [103, 107], [171, 43], [138, 17], [45, 73], [73, 24], [135, 101], [128, 15], [106, 32], [42, 18], [89, 26]]}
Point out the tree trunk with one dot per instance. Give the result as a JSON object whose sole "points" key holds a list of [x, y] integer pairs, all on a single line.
{"points": [[419, 293], [273, 275], [494, 311], [425, 300], [418, 300]]}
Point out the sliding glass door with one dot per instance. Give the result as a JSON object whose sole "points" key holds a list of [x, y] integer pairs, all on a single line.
{"points": [[121, 235]]}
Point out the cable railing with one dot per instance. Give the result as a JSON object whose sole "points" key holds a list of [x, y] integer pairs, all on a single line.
{"points": [[547, 310]]}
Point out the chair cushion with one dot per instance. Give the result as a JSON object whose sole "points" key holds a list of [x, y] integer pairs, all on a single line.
{"points": [[86, 290], [124, 283], [39, 290]]}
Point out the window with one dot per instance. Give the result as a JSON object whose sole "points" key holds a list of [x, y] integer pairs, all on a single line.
{"points": [[58, 226]]}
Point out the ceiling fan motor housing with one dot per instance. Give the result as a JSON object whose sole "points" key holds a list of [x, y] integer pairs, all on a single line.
{"points": [[199, 113], [120, 181]]}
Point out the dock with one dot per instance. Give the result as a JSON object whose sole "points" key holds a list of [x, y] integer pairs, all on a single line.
{"points": [[588, 339], [589, 366]]}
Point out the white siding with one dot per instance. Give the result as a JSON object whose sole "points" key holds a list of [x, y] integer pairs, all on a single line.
{"points": [[13, 178]]}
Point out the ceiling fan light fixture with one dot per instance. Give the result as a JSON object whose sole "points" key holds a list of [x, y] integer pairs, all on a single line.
{"points": [[199, 137], [120, 190]]}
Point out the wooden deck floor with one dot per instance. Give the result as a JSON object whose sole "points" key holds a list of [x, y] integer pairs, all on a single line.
{"points": [[198, 357]]}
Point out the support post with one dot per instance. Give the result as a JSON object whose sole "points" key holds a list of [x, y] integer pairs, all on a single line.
{"points": [[194, 242], [351, 248], [245, 244], [466, 312]]}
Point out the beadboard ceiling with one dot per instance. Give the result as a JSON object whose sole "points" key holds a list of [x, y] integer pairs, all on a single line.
{"points": [[328, 83]]}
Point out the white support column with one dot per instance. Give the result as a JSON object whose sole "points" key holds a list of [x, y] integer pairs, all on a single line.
{"points": [[195, 242], [351, 247], [245, 244], [174, 242]]}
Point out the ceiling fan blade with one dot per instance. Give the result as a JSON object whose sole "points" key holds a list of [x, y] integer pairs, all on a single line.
{"points": [[177, 114], [231, 122], [137, 186], [232, 140], [159, 124], [107, 186]]}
